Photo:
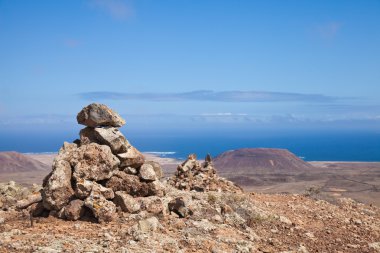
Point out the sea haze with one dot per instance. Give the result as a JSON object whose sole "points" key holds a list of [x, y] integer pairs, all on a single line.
{"points": [[309, 145]]}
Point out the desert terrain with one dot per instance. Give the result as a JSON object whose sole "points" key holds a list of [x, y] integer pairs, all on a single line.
{"points": [[324, 180]]}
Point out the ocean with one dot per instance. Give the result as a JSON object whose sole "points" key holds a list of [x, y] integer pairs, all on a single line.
{"points": [[308, 145]]}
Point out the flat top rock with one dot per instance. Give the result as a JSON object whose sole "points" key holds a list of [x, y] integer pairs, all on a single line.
{"points": [[99, 115]]}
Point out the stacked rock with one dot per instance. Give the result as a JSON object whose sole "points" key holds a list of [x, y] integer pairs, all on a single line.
{"points": [[99, 172], [193, 176]]}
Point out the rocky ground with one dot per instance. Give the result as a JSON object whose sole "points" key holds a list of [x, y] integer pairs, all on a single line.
{"points": [[221, 222]]}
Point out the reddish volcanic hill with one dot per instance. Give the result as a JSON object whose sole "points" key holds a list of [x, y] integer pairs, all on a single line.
{"points": [[260, 160], [16, 162]]}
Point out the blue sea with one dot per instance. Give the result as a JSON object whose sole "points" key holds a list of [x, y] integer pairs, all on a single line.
{"points": [[308, 145]]}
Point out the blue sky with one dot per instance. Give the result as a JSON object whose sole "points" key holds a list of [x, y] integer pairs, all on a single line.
{"points": [[178, 64]]}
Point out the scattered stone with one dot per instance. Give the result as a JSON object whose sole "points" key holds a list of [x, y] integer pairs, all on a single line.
{"points": [[149, 225], [191, 176], [99, 115]]}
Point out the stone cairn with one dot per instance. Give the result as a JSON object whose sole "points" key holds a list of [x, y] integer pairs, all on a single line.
{"points": [[99, 173], [191, 175]]}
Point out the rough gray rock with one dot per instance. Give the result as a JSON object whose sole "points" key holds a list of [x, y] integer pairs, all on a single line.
{"points": [[147, 172], [102, 209], [126, 202], [74, 210], [58, 191], [95, 162], [99, 115], [109, 136], [132, 158]]}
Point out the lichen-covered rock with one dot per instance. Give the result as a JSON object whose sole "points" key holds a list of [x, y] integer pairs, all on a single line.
{"points": [[74, 210], [95, 162], [58, 191], [126, 202], [84, 187], [147, 172], [102, 209], [132, 158], [98, 115], [109, 136]]}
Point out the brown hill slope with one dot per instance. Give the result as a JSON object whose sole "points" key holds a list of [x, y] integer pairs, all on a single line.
{"points": [[15, 162], [260, 160]]}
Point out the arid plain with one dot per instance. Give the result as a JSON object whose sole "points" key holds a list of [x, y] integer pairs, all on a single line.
{"points": [[325, 180]]}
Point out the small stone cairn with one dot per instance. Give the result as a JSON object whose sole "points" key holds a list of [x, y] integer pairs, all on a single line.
{"points": [[99, 173], [193, 176]]}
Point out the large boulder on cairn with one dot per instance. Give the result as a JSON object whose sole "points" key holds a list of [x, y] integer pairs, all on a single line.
{"points": [[193, 176], [98, 173], [94, 162], [99, 115]]}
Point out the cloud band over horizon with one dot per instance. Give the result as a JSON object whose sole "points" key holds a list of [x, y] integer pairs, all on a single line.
{"points": [[209, 95]]}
